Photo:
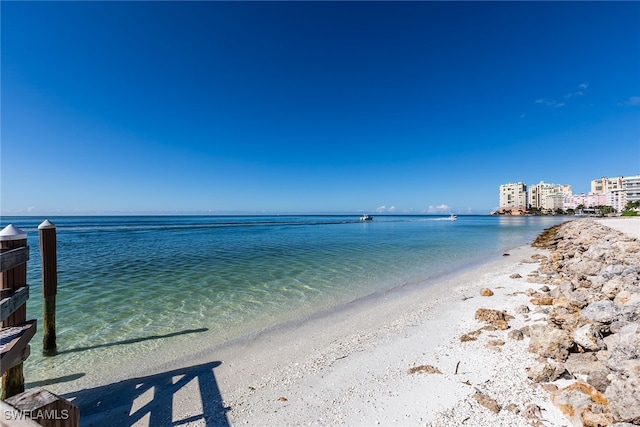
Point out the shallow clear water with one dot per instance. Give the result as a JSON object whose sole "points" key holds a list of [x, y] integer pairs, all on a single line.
{"points": [[126, 285]]}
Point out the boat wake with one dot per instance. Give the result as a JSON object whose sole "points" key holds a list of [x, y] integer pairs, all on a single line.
{"points": [[448, 218]]}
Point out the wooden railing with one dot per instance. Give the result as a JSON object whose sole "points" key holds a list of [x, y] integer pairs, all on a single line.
{"points": [[16, 330]]}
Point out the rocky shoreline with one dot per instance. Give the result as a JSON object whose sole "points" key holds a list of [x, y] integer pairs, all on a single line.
{"points": [[589, 340]]}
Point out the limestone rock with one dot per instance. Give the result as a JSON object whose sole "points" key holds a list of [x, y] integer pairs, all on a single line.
{"points": [[628, 305], [616, 327], [580, 298], [627, 296], [577, 398], [624, 347], [563, 319], [612, 287], [495, 343], [599, 379], [594, 273], [624, 394], [512, 407], [611, 271], [533, 293], [497, 318], [551, 342], [487, 402], [603, 312], [486, 292], [542, 301], [585, 267], [424, 369], [471, 336], [546, 372], [562, 290], [590, 419], [516, 334], [588, 364], [532, 411], [588, 337], [577, 361]]}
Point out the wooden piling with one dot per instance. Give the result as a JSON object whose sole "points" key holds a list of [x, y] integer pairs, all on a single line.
{"points": [[11, 280], [48, 255]]}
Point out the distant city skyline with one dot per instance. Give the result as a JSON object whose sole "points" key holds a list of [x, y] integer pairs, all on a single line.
{"points": [[615, 192], [311, 107]]}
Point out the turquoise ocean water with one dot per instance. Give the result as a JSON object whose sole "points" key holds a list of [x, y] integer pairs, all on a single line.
{"points": [[128, 286]]}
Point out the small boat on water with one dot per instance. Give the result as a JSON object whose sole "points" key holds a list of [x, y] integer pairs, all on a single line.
{"points": [[366, 218], [452, 217]]}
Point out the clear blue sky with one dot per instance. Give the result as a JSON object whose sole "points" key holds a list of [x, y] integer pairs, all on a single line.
{"points": [[311, 107]]}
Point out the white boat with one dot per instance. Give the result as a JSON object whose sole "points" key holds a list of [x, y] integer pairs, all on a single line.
{"points": [[452, 217], [366, 218]]}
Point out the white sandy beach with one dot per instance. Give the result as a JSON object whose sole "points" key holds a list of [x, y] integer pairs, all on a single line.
{"points": [[352, 366], [630, 225]]}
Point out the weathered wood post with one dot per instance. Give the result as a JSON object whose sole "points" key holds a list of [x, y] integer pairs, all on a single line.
{"points": [[48, 255], [12, 237]]}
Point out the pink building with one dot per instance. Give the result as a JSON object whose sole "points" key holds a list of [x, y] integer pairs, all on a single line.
{"points": [[587, 200]]}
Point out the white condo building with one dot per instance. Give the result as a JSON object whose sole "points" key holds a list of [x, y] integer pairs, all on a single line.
{"points": [[548, 196], [513, 198], [632, 187], [618, 191]]}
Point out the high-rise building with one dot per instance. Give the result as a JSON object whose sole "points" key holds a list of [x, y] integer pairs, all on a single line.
{"points": [[513, 198], [547, 196], [618, 191], [517, 199], [617, 199], [631, 186], [604, 185]]}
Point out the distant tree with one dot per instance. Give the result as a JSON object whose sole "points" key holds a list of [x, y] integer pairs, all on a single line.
{"points": [[534, 211], [632, 205], [559, 211], [605, 210], [631, 208]]}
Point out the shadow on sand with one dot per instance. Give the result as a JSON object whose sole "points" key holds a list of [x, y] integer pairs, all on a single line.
{"points": [[156, 400]]}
